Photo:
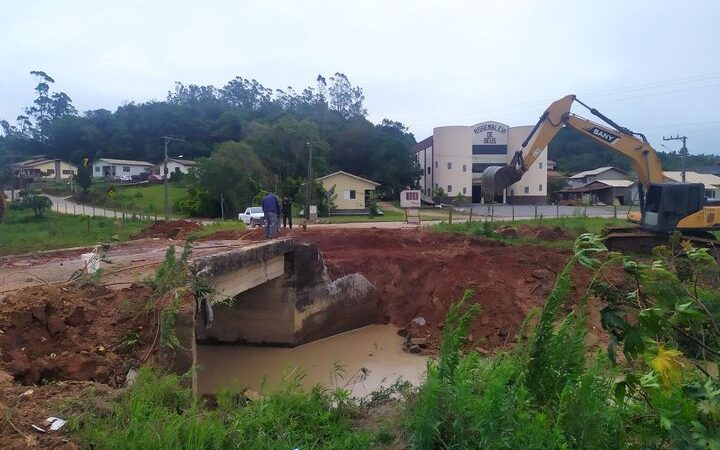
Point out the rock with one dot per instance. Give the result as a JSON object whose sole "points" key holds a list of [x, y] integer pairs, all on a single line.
{"points": [[131, 377], [415, 349], [5, 378], [21, 319], [55, 325], [76, 317], [542, 274], [419, 341], [252, 395], [508, 232], [39, 312], [420, 321]]}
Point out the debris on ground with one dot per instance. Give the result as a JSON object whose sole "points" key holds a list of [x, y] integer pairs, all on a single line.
{"points": [[74, 332], [175, 229]]}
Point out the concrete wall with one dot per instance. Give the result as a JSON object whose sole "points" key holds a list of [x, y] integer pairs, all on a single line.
{"points": [[298, 305], [100, 167], [453, 160]]}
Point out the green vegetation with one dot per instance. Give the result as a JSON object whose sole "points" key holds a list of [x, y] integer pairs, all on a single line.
{"points": [[23, 232], [160, 412], [33, 200], [218, 226], [574, 226], [143, 198]]}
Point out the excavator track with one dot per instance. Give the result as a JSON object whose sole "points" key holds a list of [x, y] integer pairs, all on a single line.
{"points": [[637, 240]]}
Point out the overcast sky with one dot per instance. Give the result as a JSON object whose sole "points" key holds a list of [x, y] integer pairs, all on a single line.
{"points": [[654, 66]]}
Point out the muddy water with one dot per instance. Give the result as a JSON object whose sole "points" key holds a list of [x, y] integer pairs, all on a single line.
{"points": [[377, 349]]}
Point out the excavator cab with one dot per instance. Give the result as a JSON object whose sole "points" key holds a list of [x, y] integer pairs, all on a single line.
{"points": [[668, 203]]}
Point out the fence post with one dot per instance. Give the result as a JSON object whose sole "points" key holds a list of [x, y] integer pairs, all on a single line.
{"points": [[513, 213], [65, 206], [88, 225], [492, 212], [83, 213], [74, 209], [471, 211], [585, 211], [557, 210], [615, 211], [536, 212], [93, 213], [450, 215], [115, 212]]}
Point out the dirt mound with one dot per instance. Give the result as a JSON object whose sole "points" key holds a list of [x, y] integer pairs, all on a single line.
{"points": [[81, 333], [419, 274], [175, 229], [538, 232]]}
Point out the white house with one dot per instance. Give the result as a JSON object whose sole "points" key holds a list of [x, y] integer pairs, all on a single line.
{"points": [[601, 173], [174, 165], [608, 185], [117, 168], [711, 182]]}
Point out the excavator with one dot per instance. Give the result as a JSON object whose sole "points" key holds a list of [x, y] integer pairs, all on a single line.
{"points": [[664, 207]]}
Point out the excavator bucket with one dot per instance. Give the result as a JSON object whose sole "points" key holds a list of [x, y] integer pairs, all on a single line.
{"points": [[496, 178]]}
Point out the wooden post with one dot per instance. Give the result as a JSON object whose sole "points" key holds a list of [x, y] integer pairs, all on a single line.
{"points": [[557, 211], [471, 211], [492, 212], [513, 213], [88, 225], [74, 209], [93, 213], [535, 212], [615, 211], [450, 215]]}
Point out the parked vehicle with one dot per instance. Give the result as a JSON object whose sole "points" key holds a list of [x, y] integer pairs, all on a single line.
{"points": [[125, 178], [253, 216], [155, 178]]}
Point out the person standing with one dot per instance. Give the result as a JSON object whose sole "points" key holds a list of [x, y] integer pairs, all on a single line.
{"points": [[271, 208], [287, 212]]}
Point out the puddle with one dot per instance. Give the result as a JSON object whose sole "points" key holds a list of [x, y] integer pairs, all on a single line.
{"points": [[376, 348]]}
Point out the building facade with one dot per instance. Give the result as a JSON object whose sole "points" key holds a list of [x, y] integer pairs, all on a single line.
{"points": [[174, 165], [350, 192], [120, 168], [43, 169], [454, 158]]}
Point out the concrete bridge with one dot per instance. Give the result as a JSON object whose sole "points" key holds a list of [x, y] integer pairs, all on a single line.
{"points": [[272, 293]]}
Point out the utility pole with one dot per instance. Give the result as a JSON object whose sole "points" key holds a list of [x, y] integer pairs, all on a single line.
{"points": [[308, 190], [167, 188], [683, 150]]}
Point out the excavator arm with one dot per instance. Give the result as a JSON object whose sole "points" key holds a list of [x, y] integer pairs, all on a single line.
{"points": [[619, 139]]}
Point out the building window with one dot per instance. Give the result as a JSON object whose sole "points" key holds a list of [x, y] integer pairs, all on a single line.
{"points": [[464, 167], [436, 164], [67, 172], [436, 186], [449, 165], [464, 191], [512, 192], [428, 170], [429, 191], [449, 188], [349, 194], [97, 168], [527, 190], [540, 165], [412, 196], [126, 169], [540, 187], [51, 171]]}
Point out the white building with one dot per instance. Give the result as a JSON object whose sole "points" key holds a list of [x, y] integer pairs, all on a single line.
{"points": [[599, 174], [174, 165], [454, 158], [117, 168]]}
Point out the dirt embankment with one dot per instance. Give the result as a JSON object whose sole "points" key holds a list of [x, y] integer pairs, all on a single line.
{"points": [[175, 229], [419, 274]]}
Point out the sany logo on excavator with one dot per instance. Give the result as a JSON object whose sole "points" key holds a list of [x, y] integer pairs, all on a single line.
{"points": [[602, 134]]}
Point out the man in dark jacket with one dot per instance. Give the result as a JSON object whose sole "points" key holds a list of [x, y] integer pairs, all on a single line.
{"points": [[287, 212], [271, 208]]}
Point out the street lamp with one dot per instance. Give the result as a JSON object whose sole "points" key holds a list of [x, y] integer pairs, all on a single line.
{"points": [[167, 188], [308, 190]]}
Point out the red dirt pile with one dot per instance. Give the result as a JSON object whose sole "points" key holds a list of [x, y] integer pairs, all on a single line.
{"points": [[80, 333], [539, 233], [175, 229], [419, 274]]}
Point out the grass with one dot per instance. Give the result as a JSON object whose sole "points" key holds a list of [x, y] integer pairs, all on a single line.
{"points": [[21, 232], [215, 227], [575, 226], [147, 197]]}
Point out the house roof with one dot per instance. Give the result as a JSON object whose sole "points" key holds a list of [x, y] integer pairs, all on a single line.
{"points": [[31, 160], [550, 161], [694, 177], [350, 175], [38, 161], [597, 171], [599, 185], [184, 162], [127, 162]]}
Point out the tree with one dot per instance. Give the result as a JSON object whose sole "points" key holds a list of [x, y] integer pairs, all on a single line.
{"points": [[84, 177], [31, 199], [46, 107], [346, 98]]}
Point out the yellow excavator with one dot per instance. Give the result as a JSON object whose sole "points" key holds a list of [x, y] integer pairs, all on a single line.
{"points": [[664, 207]]}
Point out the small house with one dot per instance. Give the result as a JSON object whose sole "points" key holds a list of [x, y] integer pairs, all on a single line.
{"points": [[120, 168], [175, 165], [42, 169], [350, 192], [604, 185]]}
